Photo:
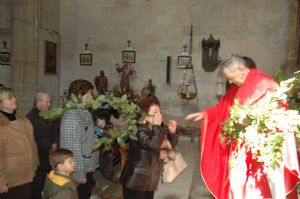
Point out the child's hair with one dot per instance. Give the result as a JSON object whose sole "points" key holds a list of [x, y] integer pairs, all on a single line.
{"points": [[58, 156], [102, 114]]}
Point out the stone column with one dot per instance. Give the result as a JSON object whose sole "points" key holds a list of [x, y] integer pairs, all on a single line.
{"points": [[24, 50], [294, 36]]}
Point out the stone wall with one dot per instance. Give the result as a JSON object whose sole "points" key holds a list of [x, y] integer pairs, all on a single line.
{"points": [[49, 31], [25, 25], [4, 36], [159, 28]]}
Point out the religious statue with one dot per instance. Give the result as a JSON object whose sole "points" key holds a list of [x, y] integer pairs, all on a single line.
{"points": [[151, 87], [145, 92], [210, 51], [126, 71], [101, 83], [148, 90]]}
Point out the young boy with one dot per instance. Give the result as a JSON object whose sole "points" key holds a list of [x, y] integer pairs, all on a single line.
{"points": [[58, 185]]}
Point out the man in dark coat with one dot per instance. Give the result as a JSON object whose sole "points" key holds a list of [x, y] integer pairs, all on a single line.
{"points": [[45, 135]]}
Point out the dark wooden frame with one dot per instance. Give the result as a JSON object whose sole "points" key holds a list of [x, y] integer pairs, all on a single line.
{"points": [[128, 56], [186, 60], [50, 58], [86, 59], [4, 58]]}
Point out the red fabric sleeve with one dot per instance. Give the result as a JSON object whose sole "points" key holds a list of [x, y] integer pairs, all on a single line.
{"points": [[214, 155]]}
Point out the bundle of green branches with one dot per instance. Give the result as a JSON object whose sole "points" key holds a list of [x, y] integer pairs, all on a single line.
{"points": [[128, 109], [261, 128]]}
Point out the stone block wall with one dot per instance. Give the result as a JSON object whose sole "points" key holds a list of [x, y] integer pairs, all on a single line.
{"points": [[4, 36], [159, 28]]}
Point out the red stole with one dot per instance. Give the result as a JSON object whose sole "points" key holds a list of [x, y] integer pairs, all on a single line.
{"points": [[215, 155]]}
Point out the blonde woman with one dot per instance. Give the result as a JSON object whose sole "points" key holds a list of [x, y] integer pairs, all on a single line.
{"points": [[18, 153]]}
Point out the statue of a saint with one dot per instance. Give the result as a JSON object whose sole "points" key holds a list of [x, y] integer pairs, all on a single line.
{"points": [[126, 71], [145, 92], [101, 83], [151, 87]]}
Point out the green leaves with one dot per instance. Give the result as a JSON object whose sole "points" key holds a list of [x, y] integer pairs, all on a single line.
{"points": [[128, 109], [52, 114]]}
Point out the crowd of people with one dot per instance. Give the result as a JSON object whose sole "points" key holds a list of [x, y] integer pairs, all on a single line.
{"points": [[41, 159], [46, 159]]}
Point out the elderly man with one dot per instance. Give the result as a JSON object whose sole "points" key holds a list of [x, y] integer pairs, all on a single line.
{"points": [[248, 86], [45, 135]]}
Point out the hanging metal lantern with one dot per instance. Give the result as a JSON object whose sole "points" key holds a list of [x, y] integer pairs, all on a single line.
{"points": [[187, 88]]}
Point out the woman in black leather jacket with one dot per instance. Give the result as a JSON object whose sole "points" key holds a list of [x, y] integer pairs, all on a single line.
{"points": [[142, 170]]}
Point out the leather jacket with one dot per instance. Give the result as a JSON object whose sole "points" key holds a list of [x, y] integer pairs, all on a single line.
{"points": [[143, 167]]}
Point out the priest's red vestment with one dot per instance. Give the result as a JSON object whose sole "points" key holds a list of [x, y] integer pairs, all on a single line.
{"points": [[215, 155]]}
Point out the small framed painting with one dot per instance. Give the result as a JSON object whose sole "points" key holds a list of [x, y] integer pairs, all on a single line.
{"points": [[4, 58], [50, 58], [128, 56], [86, 59], [183, 61]]}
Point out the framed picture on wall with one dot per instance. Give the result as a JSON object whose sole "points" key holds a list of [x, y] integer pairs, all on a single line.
{"points": [[50, 58], [86, 59], [4, 58], [128, 56], [183, 61]]}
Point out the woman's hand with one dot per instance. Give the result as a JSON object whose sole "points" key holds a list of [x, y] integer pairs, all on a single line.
{"points": [[3, 188], [81, 180], [172, 125], [194, 116]]}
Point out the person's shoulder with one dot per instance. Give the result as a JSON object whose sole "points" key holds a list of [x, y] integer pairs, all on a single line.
{"points": [[30, 113], [33, 115], [141, 126], [25, 120], [71, 184], [72, 112], [258, 77], [71, 116], [267, 81]]}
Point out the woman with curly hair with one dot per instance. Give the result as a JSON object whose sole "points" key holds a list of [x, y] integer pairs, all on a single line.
{"points": [[78, 135]]}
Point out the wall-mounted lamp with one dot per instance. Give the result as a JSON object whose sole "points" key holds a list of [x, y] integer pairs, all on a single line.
{"points": [[187, 87]]}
